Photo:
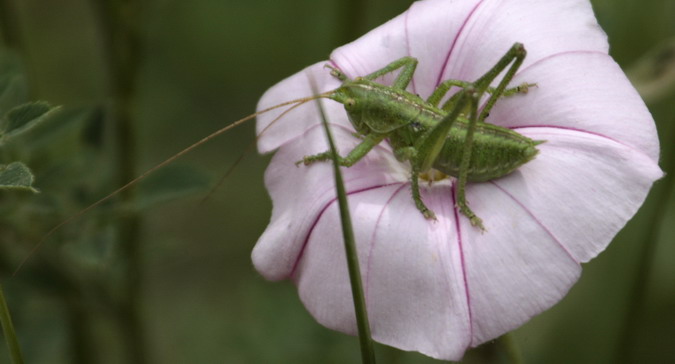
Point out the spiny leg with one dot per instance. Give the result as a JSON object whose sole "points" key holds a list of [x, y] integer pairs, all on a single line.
{"points": [[446, 85], [465, 163], [516, 54], [403, 79], [417, 198], [429, 146], [359, 151]]}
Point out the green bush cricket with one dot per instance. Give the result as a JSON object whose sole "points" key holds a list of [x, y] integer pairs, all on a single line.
{"points": [[452, 139]]}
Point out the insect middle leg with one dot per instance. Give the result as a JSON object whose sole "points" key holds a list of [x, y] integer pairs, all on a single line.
{"points": [[446, 85]]}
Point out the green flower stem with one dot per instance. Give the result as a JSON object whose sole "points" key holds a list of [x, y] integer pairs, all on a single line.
{"points": [[367, 348], [351, 17], [510, 348], [119, 22], [8, 331], [8, 24], [638, 292]]}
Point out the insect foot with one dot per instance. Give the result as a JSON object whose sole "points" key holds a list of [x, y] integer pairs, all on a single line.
{"points": [[466, 211], [309, 159]]}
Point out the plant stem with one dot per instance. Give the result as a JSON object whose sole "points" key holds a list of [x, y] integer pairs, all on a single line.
{"points": [[510, 348], [8, 331], [8, 24], [367, 348], [351, 20], [638, 292], [119, 21]]}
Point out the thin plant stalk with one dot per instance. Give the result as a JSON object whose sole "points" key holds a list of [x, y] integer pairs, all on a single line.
{"points": [[510, 348], [8, 331], [638, 292], [365, 340], [119, 26]]}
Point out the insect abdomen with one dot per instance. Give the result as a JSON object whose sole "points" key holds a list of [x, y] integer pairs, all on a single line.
{"points": [[496, 152]]}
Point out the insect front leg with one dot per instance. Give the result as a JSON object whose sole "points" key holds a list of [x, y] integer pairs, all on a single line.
{"points": [[403, 80], [356, 154]]}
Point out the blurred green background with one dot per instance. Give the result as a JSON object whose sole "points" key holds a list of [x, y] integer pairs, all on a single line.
{"points": [[202, 64]]}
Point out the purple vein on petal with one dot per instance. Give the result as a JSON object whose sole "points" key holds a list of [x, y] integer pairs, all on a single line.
{"points": [[535, 219], [543, 59], [555, 55], [439, 79], [461, 255], [584, 131], [373, 240], [320, 214]]}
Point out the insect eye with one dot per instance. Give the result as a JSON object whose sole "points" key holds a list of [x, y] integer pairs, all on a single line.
{"points": [[350, 102]]}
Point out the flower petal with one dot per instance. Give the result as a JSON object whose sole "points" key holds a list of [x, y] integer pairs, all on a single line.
{"points": [[301, 193], [514, 270], [426, 31], [544, 27], [582, 187], [584, 91], [412, 272], [464, 39]]}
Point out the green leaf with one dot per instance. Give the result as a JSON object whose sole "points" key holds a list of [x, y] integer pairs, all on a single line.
{"points": [[25, 117], [170, 183], [16, 175]]}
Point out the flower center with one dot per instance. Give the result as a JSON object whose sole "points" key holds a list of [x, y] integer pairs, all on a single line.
{"points": [[433, 175]]}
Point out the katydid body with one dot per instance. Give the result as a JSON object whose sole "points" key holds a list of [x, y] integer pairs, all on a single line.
{"points": [[452, 138]]}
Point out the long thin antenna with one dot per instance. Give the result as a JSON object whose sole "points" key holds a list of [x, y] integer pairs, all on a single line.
{"points": [[155, 168], [248, 148]]}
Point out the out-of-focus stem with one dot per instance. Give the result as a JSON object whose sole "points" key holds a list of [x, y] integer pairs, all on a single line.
{"points": [[351, 20], [119, 23], [8, 25], [638, 293], [510, 348]]}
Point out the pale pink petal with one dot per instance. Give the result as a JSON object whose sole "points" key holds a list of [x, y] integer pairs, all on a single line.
{"points": [[583, 91], [544, 27], [412, 272], [582, 187], [301, 118], [426, 31], [301, 193], [464, 39], [514, 270]]}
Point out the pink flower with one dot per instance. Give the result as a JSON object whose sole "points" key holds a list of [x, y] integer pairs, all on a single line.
{"points": [[440, 287]]}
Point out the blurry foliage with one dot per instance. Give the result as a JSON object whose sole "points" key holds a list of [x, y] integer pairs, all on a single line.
{"points": [[204, 63]]}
